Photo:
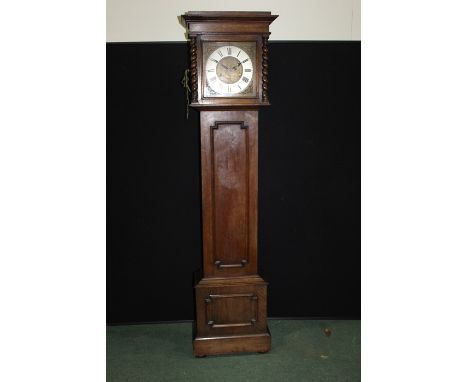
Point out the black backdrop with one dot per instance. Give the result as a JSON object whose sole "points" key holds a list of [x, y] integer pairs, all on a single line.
{"points": [[309, 182]]}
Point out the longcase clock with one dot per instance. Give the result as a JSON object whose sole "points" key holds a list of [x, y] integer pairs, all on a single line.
{"points": [[229, 84]]}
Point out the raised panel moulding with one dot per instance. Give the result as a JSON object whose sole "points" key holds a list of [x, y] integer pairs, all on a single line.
{"points": [[230, 186]]}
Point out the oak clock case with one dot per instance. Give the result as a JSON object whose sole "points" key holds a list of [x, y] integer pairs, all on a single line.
{"points": [[229, 84]]}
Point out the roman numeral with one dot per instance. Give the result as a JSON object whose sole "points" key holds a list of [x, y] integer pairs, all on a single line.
{"points": [[212, 59], [220, 54], [229, 89], [211, 70], [245, 79], [238, 53], [245, 60], [239, 86], [248, 70], [229, 50]]}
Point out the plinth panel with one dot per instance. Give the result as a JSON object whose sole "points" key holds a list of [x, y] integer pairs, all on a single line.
{"points": [[231, 316], [231, 310]]}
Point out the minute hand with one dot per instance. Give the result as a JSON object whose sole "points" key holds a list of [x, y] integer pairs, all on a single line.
{"points": [[234, 67]]}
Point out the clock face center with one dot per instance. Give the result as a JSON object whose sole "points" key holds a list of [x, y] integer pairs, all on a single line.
{"points": [[229, 70]]}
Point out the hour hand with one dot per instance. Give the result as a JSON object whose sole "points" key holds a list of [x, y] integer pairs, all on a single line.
{"points": [[224, 66], [234, 67]]}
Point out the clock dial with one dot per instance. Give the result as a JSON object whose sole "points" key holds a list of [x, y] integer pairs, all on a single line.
{"points": [[229, 70]]}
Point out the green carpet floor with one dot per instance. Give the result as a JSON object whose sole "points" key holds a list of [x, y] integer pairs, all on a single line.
{"points": [[300, 352]]}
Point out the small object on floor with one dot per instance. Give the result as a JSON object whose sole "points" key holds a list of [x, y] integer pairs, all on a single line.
{"points": [[328, 332]]}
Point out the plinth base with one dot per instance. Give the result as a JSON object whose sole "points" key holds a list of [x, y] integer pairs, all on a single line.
{"points": [[254, 343], [231, 316]]}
